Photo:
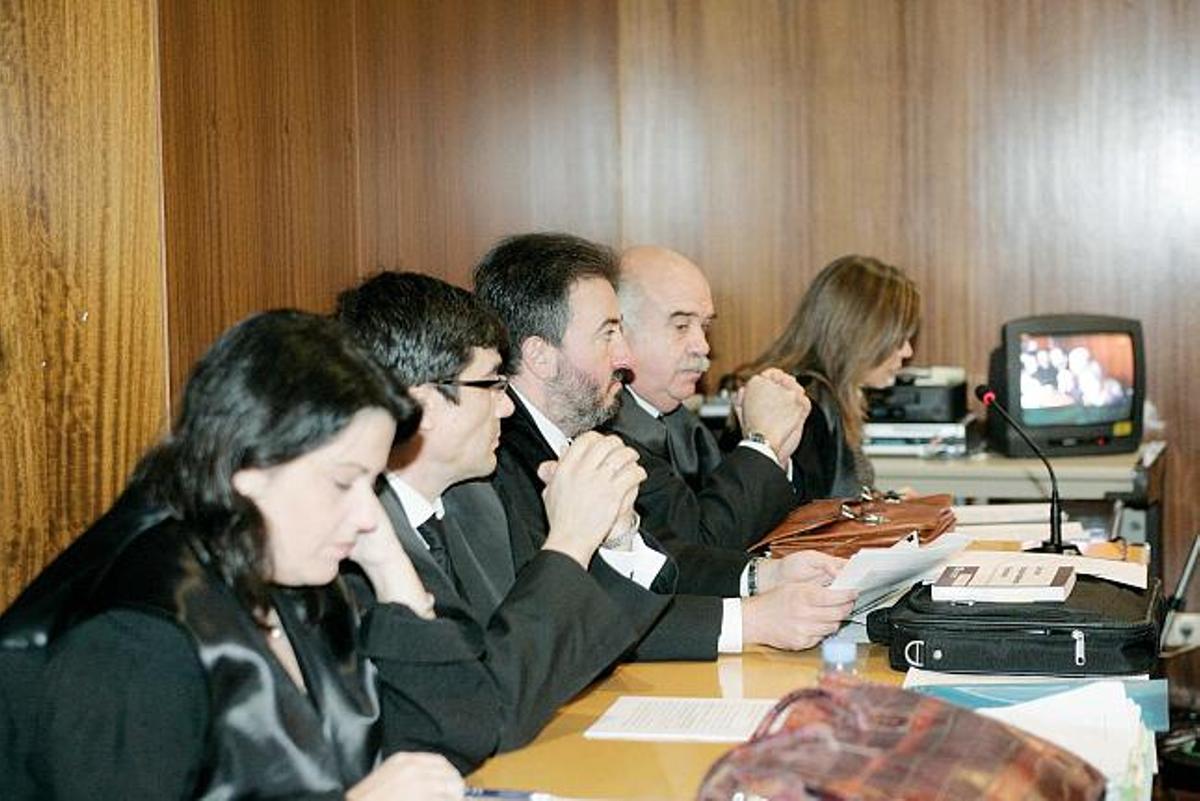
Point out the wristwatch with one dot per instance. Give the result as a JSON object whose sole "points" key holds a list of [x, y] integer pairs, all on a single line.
{"points": [[757, 437], [752, 574]]}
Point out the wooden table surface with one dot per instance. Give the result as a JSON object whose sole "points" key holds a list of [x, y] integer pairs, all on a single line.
{"points": [[562, 762]]}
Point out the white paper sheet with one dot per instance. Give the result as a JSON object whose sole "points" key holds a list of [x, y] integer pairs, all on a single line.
{"points": [[874, 572], [1020, 532], [705, 720], [989, 513]]}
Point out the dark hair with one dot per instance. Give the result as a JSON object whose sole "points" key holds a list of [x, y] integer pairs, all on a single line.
{"points": [[527, 280], [272, 388], [420, 328], [855, 313]]}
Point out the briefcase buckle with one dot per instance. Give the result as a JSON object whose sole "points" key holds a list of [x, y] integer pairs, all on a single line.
{"points": [[914, 653]]}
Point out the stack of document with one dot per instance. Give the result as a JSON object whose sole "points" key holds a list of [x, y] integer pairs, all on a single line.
{"points": [[1025, 524], [985, 514], [1109, 722], [1098, 723], [979, 690]]}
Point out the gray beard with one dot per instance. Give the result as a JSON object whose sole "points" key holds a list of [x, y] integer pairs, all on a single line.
{"points": [[576, 402]]}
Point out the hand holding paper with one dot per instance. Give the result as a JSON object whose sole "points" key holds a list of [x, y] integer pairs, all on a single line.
{"points": [[876, 571]]}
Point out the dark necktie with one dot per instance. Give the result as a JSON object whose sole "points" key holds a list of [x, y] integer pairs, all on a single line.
{"points": [[434, 533], [692, 448]]}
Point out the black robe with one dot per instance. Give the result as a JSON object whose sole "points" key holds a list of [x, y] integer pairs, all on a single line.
{"points": [[731, 502], [699, 576], [548, 630], [823, 464], [143, 676]]}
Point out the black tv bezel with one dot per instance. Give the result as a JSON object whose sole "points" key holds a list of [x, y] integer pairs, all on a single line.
{"points": [[1062, 440]]}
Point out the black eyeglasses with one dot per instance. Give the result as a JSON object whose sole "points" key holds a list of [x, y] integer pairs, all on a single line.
{"points": [[497, 384]]}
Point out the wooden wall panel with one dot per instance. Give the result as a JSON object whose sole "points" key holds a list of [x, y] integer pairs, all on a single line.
{"points": [[762, 138], [82, 347], [259, 159], [1015, 157], [480, 118]]}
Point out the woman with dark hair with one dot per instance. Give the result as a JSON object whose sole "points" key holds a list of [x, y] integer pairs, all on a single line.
{"points": [[201, 643], [853, 329]]}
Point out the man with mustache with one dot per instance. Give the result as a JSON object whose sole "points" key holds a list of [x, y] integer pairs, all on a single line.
{"points": [[556, 294], [666, 310]]}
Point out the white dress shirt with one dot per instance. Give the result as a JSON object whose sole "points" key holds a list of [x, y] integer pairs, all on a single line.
{"points": [[416, 508], [641, 564]]}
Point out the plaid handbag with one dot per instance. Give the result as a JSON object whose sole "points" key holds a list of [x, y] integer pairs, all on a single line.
{"points": [[840, 526], [854, 741]]}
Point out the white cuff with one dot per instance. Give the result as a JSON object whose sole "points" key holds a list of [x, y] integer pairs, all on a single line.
{"points": [[730, 639], [641, 564]]}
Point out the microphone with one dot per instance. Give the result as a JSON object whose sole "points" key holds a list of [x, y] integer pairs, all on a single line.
{"points": [[1055, 544]]}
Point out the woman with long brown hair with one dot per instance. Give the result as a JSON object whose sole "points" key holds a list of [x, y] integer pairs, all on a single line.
{"points": [[853, 329]]}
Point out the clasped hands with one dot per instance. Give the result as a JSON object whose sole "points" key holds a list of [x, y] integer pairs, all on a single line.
{"points": [[773, 403], [589, 495]]}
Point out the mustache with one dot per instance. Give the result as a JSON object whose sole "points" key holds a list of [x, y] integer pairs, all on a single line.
{"points": [[699, 364]]}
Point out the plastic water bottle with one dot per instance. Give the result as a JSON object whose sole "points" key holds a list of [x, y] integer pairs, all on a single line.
{"points": [[839, 657]]}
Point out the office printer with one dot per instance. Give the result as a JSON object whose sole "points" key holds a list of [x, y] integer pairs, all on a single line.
{"points": [[921, 395]]}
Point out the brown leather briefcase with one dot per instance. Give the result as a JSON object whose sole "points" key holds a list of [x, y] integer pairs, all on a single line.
{"points": [[840, 526]]}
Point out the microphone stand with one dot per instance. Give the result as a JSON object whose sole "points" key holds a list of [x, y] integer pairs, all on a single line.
{"points": [[1055, 543]]}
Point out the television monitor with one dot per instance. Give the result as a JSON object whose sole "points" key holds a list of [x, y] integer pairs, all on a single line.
{"points": [[1076, 382]]}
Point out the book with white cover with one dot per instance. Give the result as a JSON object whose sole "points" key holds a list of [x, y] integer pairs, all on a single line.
{"points": [[1131, 574], [1007, 582]]}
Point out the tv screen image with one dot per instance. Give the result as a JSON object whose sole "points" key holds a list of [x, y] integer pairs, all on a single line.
{"points": [[1076, 383], [1076, 379]]}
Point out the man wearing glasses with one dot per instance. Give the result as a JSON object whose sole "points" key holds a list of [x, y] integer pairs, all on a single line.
{"points": [[543, 631]]}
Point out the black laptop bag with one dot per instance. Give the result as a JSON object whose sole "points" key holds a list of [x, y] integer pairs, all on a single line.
{"points": [[1102, 628]]}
